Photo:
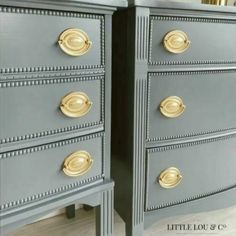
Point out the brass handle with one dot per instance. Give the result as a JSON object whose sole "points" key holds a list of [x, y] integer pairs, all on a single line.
{"points": [[170, 178], [176, 41], [74, 42], [216, 2], [172, 107], [75, 104], [78, 163]]}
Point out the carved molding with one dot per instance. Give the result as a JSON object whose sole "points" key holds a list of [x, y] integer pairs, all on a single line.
{"points": [[189, 144], [139, 150], [58, 190], [44, 147], [19, 10], [60, 80], [53, 74], [194, 133], [10, 84], [185, 145], [50, 193], [31, 11], [142, 34], [185, 19], [192, 19]]}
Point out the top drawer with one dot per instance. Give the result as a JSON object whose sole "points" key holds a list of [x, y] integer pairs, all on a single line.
{"points": [[186, 40], [42, 46]]}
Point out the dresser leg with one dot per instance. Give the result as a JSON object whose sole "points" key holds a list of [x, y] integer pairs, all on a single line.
{"points": [[104, 215], [134, 230], [87, 207], [70, 211]]}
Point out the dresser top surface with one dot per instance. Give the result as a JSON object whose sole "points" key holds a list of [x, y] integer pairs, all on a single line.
{"points": [[163, 4], [108, 3]]}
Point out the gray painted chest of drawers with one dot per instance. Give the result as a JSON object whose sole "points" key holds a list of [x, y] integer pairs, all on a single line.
{"points": [[55, 98], [174, 110]]}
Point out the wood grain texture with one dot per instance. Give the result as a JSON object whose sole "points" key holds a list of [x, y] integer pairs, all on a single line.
{"points": [[84, 224]]}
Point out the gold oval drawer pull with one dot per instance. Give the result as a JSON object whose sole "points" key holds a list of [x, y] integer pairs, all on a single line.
{"points": [[170, 178], [75, 104], [176, 41], [78, 163], [216, 2], [172, 107], [74, 42]]}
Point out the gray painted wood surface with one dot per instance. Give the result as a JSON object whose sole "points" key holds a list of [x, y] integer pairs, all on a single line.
{"points": [[138, 160], [84, 224], [36, 138]]}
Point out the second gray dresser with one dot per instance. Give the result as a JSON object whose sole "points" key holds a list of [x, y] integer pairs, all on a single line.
{"points": [[173, 110]]}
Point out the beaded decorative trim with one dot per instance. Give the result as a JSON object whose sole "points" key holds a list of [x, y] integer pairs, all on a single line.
{"points": [[192, 134], [68, 14], [10, 84], [184, 145], [58, 190], [186, 19]]}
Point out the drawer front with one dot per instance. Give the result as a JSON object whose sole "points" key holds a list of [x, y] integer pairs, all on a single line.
{"points": [[38, 33], [200, 169], [186, 40], [39, 172], [32, 109], [184, 104]]}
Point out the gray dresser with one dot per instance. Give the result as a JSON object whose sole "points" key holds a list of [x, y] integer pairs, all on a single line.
{"points": [[173, 110], [55, 98]]}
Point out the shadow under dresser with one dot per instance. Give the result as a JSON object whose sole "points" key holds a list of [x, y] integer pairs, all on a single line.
{"points": [[173, 110], [55, 99]]}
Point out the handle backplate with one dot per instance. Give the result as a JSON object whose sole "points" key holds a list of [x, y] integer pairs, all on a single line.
{"points": [[172, 107], [176, 41], [75, 104], [74, 42], [170, 178], [77, 163]]}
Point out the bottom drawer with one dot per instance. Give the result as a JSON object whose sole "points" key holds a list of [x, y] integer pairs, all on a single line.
{"points": [[38, 172], [184, 172]]}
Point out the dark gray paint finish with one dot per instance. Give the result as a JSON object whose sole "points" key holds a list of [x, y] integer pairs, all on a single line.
{"points": [[39, 103], [131, 69], [206, 112]]}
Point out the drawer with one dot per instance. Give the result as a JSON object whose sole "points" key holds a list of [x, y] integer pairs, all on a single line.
{"points": [[185, 40], [185, 172], [44, 41], [184, 104], [38, 172], [40, 108]]}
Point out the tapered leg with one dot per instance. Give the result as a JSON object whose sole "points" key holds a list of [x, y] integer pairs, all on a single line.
{"points": [[134, 230], [70, 211], [87, 207], [105, 215]]}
